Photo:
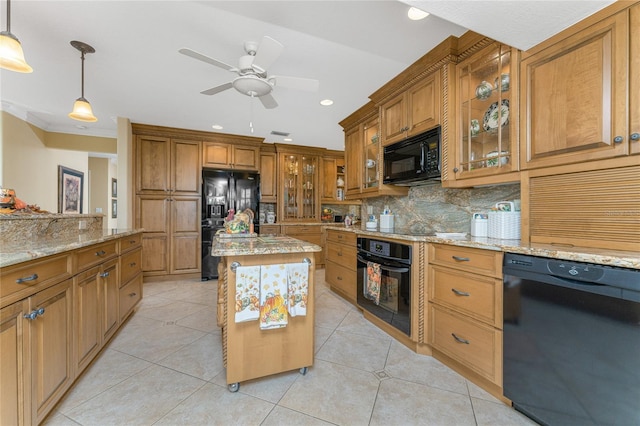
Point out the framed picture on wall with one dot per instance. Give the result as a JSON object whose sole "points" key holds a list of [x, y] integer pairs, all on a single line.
{"points": [[114, 188], [70, 190], [114, 209]]}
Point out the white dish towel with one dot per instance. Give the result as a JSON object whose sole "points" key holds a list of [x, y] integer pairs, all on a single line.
{"points": [[298, 288], [247, 293]]}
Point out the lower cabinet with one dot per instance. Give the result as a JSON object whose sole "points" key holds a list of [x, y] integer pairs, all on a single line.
{"points": [[309, 233], [56, 329], [341, 263], [465, 309]]}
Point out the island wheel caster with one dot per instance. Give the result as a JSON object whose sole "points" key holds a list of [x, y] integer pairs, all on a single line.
{"points": [[304, 370], [233, 387]]}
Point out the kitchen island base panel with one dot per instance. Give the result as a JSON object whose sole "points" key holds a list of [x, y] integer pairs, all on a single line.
{"points": [[248, 351]]}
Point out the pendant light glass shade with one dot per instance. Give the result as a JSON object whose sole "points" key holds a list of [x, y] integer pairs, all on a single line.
{"points": [[82, 111], [81, 107], [11, 55]]}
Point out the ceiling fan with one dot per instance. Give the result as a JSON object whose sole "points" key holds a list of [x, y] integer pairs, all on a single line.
{"points": [[252, 79]]}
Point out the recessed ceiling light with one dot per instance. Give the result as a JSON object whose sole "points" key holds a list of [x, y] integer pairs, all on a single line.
{"points": [[217, 127], [288, 140], [416, 14], [326, 102]]}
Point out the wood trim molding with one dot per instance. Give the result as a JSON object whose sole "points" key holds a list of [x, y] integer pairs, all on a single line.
{"points": [[172, 132]]}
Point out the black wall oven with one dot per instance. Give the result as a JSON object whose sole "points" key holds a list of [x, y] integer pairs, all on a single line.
{"points": [[384, 281]]}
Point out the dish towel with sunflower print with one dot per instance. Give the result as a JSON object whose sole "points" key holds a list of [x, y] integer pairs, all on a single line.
{"points": [[273, 296], [372, 285], [298, 288], [247, 293]]}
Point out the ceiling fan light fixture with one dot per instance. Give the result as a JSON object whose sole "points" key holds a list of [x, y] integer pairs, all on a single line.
{"points": [[82, 110], [416, 14], [252, 85], [11, 54]]}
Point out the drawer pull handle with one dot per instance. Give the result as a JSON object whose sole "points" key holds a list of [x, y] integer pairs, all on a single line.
{"points": [[27, 279], [132, 264], [132, 241], [101, 253], [132, 294], [461, 259], [104, 274], [339, 278], [460, 293], [34, 314], [459, 339]]}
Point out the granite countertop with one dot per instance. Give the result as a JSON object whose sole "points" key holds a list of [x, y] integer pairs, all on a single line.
{"points": [[13, 252], [260, 245], [619, 258]]}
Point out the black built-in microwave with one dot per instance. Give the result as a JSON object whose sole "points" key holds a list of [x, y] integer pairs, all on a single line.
{"points": [[414, 159]]}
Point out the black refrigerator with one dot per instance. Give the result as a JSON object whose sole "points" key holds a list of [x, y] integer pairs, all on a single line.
{"points": [[222, 191]]}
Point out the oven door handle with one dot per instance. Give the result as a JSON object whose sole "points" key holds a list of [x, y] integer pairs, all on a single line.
{"points": [[385, 267]]}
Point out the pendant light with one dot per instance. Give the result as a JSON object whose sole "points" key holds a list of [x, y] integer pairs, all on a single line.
{"points": [[11, 55], [81, 107]]}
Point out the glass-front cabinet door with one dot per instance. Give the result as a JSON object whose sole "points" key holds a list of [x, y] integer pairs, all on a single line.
{"points": [[371, 173], [486, 131], [299, 175]]}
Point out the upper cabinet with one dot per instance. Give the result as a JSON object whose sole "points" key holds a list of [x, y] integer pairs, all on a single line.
{"points": [[363, 156], [228, 155], [299, 193], [332, 177], [268, 174], [413, 111], [485, 132], [580, 93]]}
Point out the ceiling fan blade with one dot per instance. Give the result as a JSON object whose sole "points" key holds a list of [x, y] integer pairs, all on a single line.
{"points": [[204, 58], [267, 53], [268, 101], [217, 89], [307, 84]]}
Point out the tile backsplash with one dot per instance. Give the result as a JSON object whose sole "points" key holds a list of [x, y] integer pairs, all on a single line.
{"points": [[432, 208]]}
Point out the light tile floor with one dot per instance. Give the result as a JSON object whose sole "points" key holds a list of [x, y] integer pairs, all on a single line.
{"points": [[165, 368]]}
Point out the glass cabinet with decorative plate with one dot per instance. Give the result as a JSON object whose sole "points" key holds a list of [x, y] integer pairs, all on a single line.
{"points": [[487, 115], [372, 156], [299, 177]]}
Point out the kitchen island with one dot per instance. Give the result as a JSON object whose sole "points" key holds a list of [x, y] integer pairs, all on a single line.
{"points": [[254, 343]]}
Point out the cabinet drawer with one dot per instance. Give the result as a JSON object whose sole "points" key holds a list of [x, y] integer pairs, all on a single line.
{"points": [[130, 295], [130, 265], [21, 280], [96, 254], [130, 242], [472, 294], [293, 230], [342, 255], [269, 229], [471, 343], [487, 262], [341, 237], [342, 279]]}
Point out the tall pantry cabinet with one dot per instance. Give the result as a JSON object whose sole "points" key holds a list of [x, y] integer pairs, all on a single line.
{"points": [[167, 201]]}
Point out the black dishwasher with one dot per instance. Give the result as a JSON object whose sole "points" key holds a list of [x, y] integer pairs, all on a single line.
{"points": [[572, 341]]}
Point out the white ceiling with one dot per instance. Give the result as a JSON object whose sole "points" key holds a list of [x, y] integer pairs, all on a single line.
{"points": [[351, 47]]}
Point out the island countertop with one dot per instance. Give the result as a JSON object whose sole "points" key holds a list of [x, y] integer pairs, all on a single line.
{"points": [[260, 245]]}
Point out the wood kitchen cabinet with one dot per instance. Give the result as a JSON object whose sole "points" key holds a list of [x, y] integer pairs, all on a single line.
{"points": [[363, 156], [299, 181], [465, 311], [268, 175], [580, 92], [485, 133], [341, 263], [310, 233], [413, 111], [332, 169], [230, 156], [167, 201], [15, 400]]}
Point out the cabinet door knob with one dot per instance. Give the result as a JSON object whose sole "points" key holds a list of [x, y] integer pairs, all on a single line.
{"points": [[27, 279], [104, 274], [31, 315], [618, 139], [455, 170], [635, 136]]}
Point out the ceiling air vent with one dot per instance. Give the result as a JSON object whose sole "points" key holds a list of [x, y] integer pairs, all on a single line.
{"points": [[276, 133]]}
